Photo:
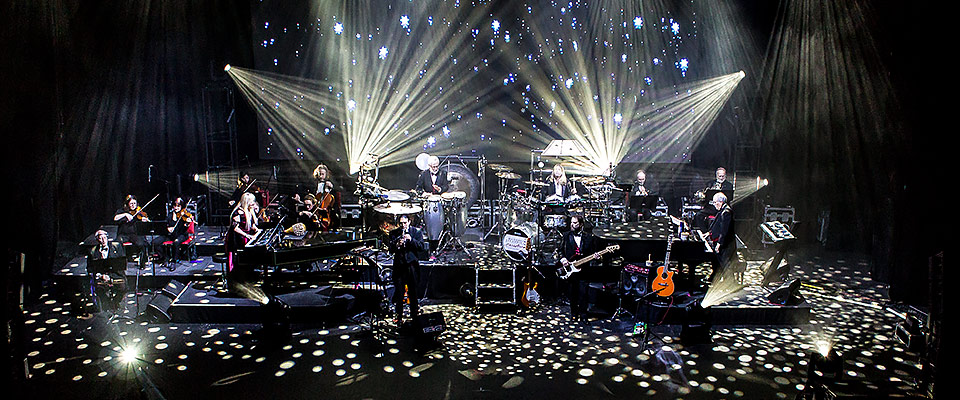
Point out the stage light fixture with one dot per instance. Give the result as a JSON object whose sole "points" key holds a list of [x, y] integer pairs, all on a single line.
{"points": [[825, 364], [226, 68], [196, 177]]}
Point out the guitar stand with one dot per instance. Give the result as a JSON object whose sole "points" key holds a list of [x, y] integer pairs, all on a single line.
{"points": [[636, 314]]}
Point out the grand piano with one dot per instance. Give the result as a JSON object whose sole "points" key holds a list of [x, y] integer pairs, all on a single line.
{"points": [[643, 240], [275, 248]]}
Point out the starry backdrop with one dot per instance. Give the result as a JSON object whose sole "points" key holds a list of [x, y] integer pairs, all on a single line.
{"points": [[492, 78]]}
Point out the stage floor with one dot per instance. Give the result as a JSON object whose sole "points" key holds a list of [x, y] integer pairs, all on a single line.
{"points": [[537, 353]]}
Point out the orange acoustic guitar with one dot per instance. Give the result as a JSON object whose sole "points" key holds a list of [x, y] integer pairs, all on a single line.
{"points": [[663, 283]]}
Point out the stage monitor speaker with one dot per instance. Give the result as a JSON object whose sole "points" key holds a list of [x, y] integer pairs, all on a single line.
{"points": [[158, 310], [634, 280], [787, 294], [432, 323]]}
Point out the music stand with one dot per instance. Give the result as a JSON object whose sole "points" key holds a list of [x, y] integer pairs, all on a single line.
{"points": [[116, 265]]}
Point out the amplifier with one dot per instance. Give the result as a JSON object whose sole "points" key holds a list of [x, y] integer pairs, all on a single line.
{"points": [[635, 280]]}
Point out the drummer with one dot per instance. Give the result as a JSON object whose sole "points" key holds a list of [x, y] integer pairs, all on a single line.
{"points": [[559, 190], [433, 180]]}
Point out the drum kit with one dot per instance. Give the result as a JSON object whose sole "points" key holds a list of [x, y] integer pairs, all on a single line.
{"points": [[525, 224]]}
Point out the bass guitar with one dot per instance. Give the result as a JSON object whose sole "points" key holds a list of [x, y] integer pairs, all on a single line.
{"points": [[569, 268], [663, 283]]}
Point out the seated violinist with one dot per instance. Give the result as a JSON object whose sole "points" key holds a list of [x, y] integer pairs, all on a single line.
{"points": [[308, 214], [128, 218], [179, 224]]}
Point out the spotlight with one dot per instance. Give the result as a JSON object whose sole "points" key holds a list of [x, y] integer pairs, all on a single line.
{"points": [[696, 325], [196, 177], [825, 365], [742, 74], [129, 355], [276, 319], [226, 68]]}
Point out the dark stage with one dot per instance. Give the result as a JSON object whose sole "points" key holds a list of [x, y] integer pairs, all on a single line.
{"points": [[230, 199], [537, 353]]}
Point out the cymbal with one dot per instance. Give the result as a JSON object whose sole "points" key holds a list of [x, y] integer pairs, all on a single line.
{"points": [[499, 167], [508, 175], [536, 183], [397, 209], [396, 195]]}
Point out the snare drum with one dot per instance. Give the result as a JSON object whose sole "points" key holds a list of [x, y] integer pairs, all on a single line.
{"points": [[433, 217]]}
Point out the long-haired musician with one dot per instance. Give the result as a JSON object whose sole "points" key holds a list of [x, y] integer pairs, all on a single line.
{"points": [[243, 226], [128, 218], [327, 196]]}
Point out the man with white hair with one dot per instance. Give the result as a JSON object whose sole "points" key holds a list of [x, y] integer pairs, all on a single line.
{"points": [[721, 231], [433, 180]]}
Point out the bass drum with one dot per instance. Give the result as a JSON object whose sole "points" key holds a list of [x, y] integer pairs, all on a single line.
{"points": [[433, 217], [518, 241]]}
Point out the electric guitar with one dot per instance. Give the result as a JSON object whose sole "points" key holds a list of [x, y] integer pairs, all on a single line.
{"points": [[570, 268], [663, 283]]}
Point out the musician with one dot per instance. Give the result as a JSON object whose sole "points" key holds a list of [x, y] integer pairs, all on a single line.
{"points": [[243, 228], [721, 232], [576, 244], [243, 181], [323, 177], [558, 184], [643, 197], [433, 180], [128, 219], [326, 198], [105, 248], [405, 242], [721, 184], [308, 216], [109, 286], [178, 223]]}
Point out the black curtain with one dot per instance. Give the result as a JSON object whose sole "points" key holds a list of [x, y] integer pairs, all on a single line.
{"points": [[99, 92]]}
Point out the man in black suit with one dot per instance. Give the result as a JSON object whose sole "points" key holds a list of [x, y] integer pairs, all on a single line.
{"points": [[433, 180], [721, 233], [644, 195], [721, 184], [109, 286], [405, 242], [576, 244]]}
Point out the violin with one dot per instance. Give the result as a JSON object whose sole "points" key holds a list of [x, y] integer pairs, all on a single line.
{"points": [[138, 212]]}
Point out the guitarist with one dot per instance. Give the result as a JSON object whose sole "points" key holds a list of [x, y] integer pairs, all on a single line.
{"points": [[576, 243]]}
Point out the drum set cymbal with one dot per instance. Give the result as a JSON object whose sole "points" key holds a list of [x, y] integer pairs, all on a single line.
{"points": [[590, 180], [499, 167], [396, 195], [398, 208], [536, 183], [508, 175]]}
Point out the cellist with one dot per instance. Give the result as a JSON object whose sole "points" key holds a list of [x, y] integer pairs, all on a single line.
{"points": [[327, 199]]}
